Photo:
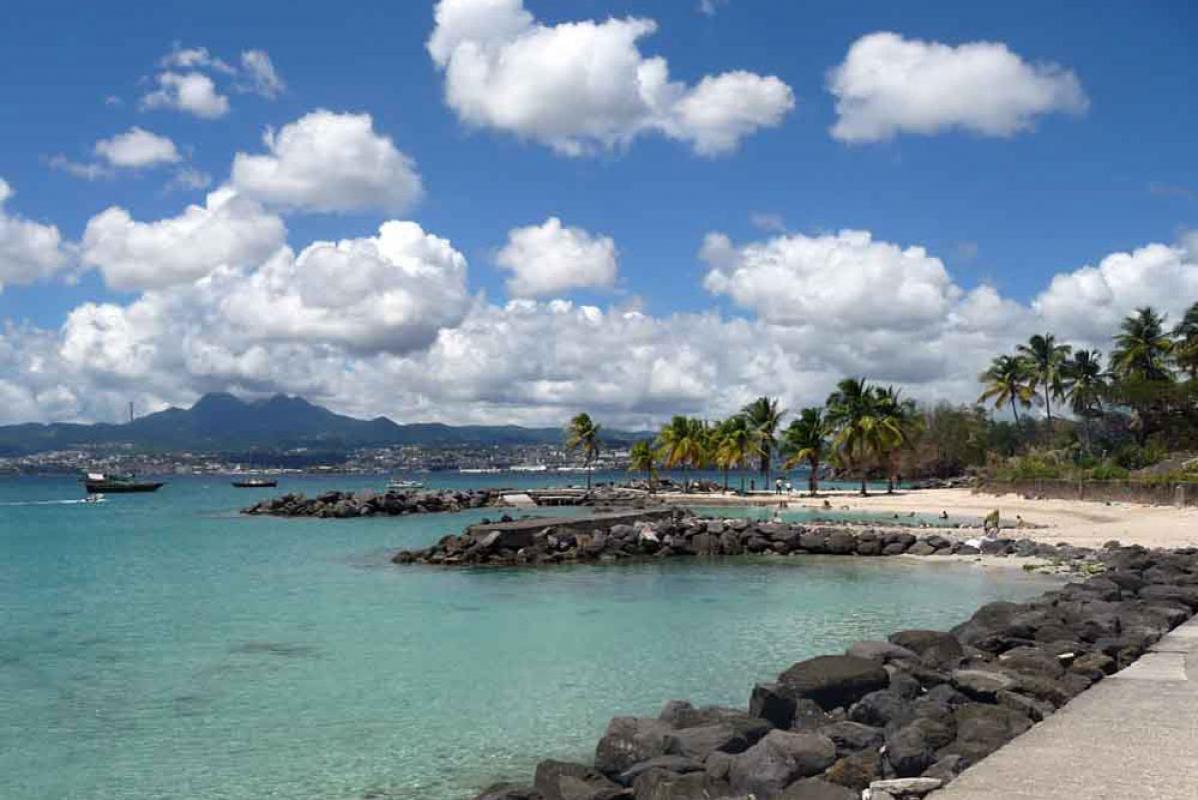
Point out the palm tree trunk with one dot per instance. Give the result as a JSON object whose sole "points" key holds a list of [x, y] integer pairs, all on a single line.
{"points": [[588, 466], [812, 480], [1048, 408], [725, 480]]}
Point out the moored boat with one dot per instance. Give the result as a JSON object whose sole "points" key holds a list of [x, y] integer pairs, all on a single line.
{"points": [[100, 482], [394, 485], [255, 483]]}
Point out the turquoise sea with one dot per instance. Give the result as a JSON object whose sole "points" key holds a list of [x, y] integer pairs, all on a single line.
{"points": [[161, 646]]}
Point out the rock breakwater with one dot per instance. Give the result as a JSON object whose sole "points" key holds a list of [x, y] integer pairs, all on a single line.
{"points": [[890, 719], [679, 533], [345, 505]]}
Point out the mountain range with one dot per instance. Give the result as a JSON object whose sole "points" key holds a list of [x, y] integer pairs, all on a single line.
{"points": [[222, 422]]}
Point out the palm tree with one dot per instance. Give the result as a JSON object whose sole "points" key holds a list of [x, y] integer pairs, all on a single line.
{"points": [[1185, 345], [898, 424], [681, 442], [583, 434], [736, 444], [764, 417], [805, 440], [1085, 386], [1007, 382], [860, 431], [1141, 347], [641, 458], [1045, 358]]}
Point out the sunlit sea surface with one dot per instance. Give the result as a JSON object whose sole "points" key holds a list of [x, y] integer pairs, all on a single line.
{"points": [[162, 646]]}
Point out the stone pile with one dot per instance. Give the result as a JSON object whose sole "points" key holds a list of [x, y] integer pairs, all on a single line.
{"points": [[686, 535], [890, 719], [344, 505]]}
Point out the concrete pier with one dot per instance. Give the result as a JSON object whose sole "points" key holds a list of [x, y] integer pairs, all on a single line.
{"points": [[1134, 735]]}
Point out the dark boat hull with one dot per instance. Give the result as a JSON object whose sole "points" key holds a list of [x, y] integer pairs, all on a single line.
{"points": [[255, 484], [109, 487]]}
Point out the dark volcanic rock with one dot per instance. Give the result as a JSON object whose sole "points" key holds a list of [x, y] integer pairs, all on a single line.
{"points": [[769, 766], [817, 789], [628, 741], [508, 791], [835, 681], [561, 780], [856, 771], [935, 648]]}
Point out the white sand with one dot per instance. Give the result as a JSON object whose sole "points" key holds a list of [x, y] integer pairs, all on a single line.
{"points": [[1076, 522]]}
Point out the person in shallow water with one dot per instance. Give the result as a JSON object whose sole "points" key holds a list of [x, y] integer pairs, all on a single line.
{"points": [[778, 486]]}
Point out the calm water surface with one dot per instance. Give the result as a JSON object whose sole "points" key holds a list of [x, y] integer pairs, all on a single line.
{"points": [[160, 646]]}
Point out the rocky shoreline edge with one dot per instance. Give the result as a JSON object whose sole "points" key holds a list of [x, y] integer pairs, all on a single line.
{"points": [[348, 505], [889, 719], [654, 534]]}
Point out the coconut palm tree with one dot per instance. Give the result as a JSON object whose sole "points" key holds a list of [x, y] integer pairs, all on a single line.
{"points": [[898, 424], [1141, 347], [765, 416], [1007, 382], [642, 458], [682, 442], [853, 412], [583, 434], [1045, 358], [1085, 387], [736, 445], [805, 440], [1185, 345]]}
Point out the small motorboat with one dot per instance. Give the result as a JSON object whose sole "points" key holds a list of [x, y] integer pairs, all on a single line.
{"points": [[255, 483], [100, 482], [403, 486], [94, 498]]}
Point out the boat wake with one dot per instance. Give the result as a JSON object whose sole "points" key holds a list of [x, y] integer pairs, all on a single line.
{"points": [[80, 501]]}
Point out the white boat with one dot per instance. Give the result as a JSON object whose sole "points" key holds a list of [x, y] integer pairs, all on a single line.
{"points": [[394, 485], [530, 468], [479, 470]]}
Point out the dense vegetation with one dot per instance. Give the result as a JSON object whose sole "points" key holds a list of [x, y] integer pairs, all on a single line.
{"points": [[1100, 421]]}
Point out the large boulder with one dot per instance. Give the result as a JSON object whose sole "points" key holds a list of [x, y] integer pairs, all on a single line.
{"points": [[935, 648], [676, 764], [982, 684], [774, 703], [561, 780], [660, 784], [882, 652], [849, 737], [702, 740], [769, 766], [817, 789], [982, 729], [508, 791], [856, 771], [882, 709], [681, 714], [835, 681], [912, 748], [629, 741]]}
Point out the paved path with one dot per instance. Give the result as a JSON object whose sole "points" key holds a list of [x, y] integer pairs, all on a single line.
{"points": [[1134, 735]]}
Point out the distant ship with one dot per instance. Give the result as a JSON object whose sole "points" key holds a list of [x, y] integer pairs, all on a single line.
{"points": [[530, 468], [99, 482], [394, 485], [479, 470], [255, 483]]}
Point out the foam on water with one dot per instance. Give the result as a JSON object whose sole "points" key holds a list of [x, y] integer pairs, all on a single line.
{"points": [[162, 646]]}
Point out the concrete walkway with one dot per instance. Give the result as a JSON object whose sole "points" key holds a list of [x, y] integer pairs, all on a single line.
{"points": [[1134, 735]]}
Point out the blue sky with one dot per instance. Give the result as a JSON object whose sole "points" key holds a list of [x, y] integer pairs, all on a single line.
{"points": [[1009, 211]]}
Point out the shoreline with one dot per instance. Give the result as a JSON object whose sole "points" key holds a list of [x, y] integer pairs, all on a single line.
{"points": [[899, 718]]}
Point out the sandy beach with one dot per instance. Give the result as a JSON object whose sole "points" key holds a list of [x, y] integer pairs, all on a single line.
{"points": [[1075, 522]]}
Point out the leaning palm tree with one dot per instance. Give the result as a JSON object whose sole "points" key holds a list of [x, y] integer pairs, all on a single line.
{"points": [[1185, 344], [1141, 347], [1045, 358], [1007, 382], [853, 414], [736, 445], [583, 434], [805, 441], [641, 458], [1085, 387], [764, 417]]}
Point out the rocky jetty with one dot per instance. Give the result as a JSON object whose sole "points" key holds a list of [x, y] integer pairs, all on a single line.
{"points": [[678, 533], [345, 505], [890, 719]]}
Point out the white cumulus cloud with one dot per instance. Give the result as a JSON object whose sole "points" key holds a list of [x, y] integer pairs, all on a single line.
{"points": [[326, 161], [550, 258], [228, 230], [29, 250], [1088, 303], [136, 148], [584, 86], [191, 92], [888, 85]]}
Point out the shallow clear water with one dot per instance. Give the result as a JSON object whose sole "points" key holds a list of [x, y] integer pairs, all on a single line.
{"points": [[161, 646]]}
